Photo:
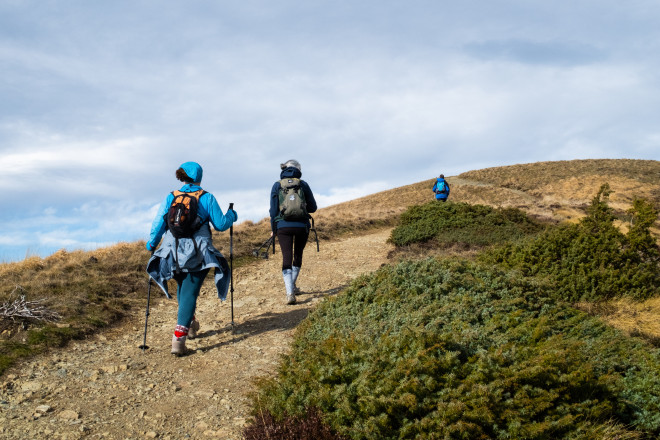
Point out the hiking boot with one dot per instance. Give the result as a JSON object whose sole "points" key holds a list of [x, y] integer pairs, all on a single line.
{"points": [[291, 299], [194, 328], [178, 345]]}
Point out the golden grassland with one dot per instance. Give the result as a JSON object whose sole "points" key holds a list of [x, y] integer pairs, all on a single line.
{"points": [[96, 289]]}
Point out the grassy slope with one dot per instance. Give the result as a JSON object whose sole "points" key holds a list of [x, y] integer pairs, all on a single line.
{"points": [[95, 289]]}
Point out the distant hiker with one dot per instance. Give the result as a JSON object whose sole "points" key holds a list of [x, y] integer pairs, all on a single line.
{"points": [[187, 253], [441, 188], [291, 202]]}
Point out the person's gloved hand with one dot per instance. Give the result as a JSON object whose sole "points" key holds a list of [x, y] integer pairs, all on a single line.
{"points": [[151, 247], [233, 214]]}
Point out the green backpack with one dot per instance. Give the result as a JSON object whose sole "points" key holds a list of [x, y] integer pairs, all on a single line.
{"points": [[292, 201]]}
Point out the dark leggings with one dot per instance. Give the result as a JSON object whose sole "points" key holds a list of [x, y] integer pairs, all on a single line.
{"points": [[292, 243]]}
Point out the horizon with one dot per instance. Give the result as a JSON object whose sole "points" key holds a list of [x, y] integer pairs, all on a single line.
{"points": [[448, 177]]}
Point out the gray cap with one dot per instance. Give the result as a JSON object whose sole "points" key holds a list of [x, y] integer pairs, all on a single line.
{"points": [[291, 163]]}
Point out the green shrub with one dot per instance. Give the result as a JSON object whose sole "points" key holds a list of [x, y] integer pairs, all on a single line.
{"points": [[592, 260], [450, 223], [454, 350]]}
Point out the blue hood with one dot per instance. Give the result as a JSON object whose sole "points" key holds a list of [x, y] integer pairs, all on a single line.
{"points": [[290, 172], [193, 170]]}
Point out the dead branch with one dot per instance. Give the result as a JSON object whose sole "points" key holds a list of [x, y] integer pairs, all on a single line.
{"points": [[21, 309]]}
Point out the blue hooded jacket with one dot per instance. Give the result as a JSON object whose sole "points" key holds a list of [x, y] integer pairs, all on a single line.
{"points": [[275, 201], [190, 254]]}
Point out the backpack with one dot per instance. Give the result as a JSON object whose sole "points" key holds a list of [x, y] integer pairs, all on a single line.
{"points": [[181, 218], [292, 200], [441, 187]]}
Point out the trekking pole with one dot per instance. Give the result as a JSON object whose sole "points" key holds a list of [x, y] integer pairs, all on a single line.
{"points": [[315, 234], [231, 267], [263, 254], [146, 318]]}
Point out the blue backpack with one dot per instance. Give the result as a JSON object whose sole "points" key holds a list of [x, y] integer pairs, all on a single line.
{"points": [[441, 187]]}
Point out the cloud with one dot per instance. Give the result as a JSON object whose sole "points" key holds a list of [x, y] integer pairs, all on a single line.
{"points": [[555, 53]]}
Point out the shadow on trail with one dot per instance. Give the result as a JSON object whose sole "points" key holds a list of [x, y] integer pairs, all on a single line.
{"points": [[268, 321]]}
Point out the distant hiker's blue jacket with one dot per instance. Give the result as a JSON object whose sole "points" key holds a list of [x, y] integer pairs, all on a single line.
{"points": [[192, 254], [275, 201], [442, 195]]}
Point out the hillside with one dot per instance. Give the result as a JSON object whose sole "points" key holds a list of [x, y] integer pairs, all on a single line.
{"points": [[556, 191], [130, 393]]}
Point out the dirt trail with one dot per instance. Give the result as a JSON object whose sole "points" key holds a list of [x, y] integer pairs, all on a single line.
{"points": [[106, 387]]}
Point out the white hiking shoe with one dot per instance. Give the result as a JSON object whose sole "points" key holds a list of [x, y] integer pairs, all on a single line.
{"points": [[194, 328], [291, 299], [295, 271], [178, 345]]}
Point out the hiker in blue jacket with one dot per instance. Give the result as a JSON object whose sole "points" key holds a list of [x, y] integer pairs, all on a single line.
{"points": [[441, 188], [292, 232], [188, 260]]}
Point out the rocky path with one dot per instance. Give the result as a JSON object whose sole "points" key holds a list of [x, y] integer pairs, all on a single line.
{"points": [[106, 387]]}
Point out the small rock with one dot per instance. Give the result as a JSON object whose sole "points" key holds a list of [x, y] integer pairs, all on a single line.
{"points": [[110, 369], [151, 434], [43, 409], [31, 386], [69, 414], [207, 394]]}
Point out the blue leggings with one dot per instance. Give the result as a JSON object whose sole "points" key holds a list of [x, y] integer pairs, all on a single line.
{"points": [[188, 287]]}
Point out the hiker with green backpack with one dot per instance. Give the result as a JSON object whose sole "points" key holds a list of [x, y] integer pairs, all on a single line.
{"points": [[187, 253], [291, 202]]}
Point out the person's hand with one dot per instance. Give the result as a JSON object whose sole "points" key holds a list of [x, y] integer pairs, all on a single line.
{"points": [[234, 214]]}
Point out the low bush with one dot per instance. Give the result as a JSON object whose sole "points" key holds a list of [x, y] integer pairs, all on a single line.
{"points": [[309, 426], [451, 223], [592, 260], [435, 349]]}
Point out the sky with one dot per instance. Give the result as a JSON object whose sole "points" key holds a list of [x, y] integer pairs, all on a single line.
{"points": [[100, 102]]}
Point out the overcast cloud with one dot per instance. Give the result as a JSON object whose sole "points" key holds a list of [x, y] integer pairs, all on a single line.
{"points": [[100, 102]]}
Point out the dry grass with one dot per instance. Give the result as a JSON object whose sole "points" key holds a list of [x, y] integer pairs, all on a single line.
{"points": [[563, 189], [634, 318], [88, 290]]}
